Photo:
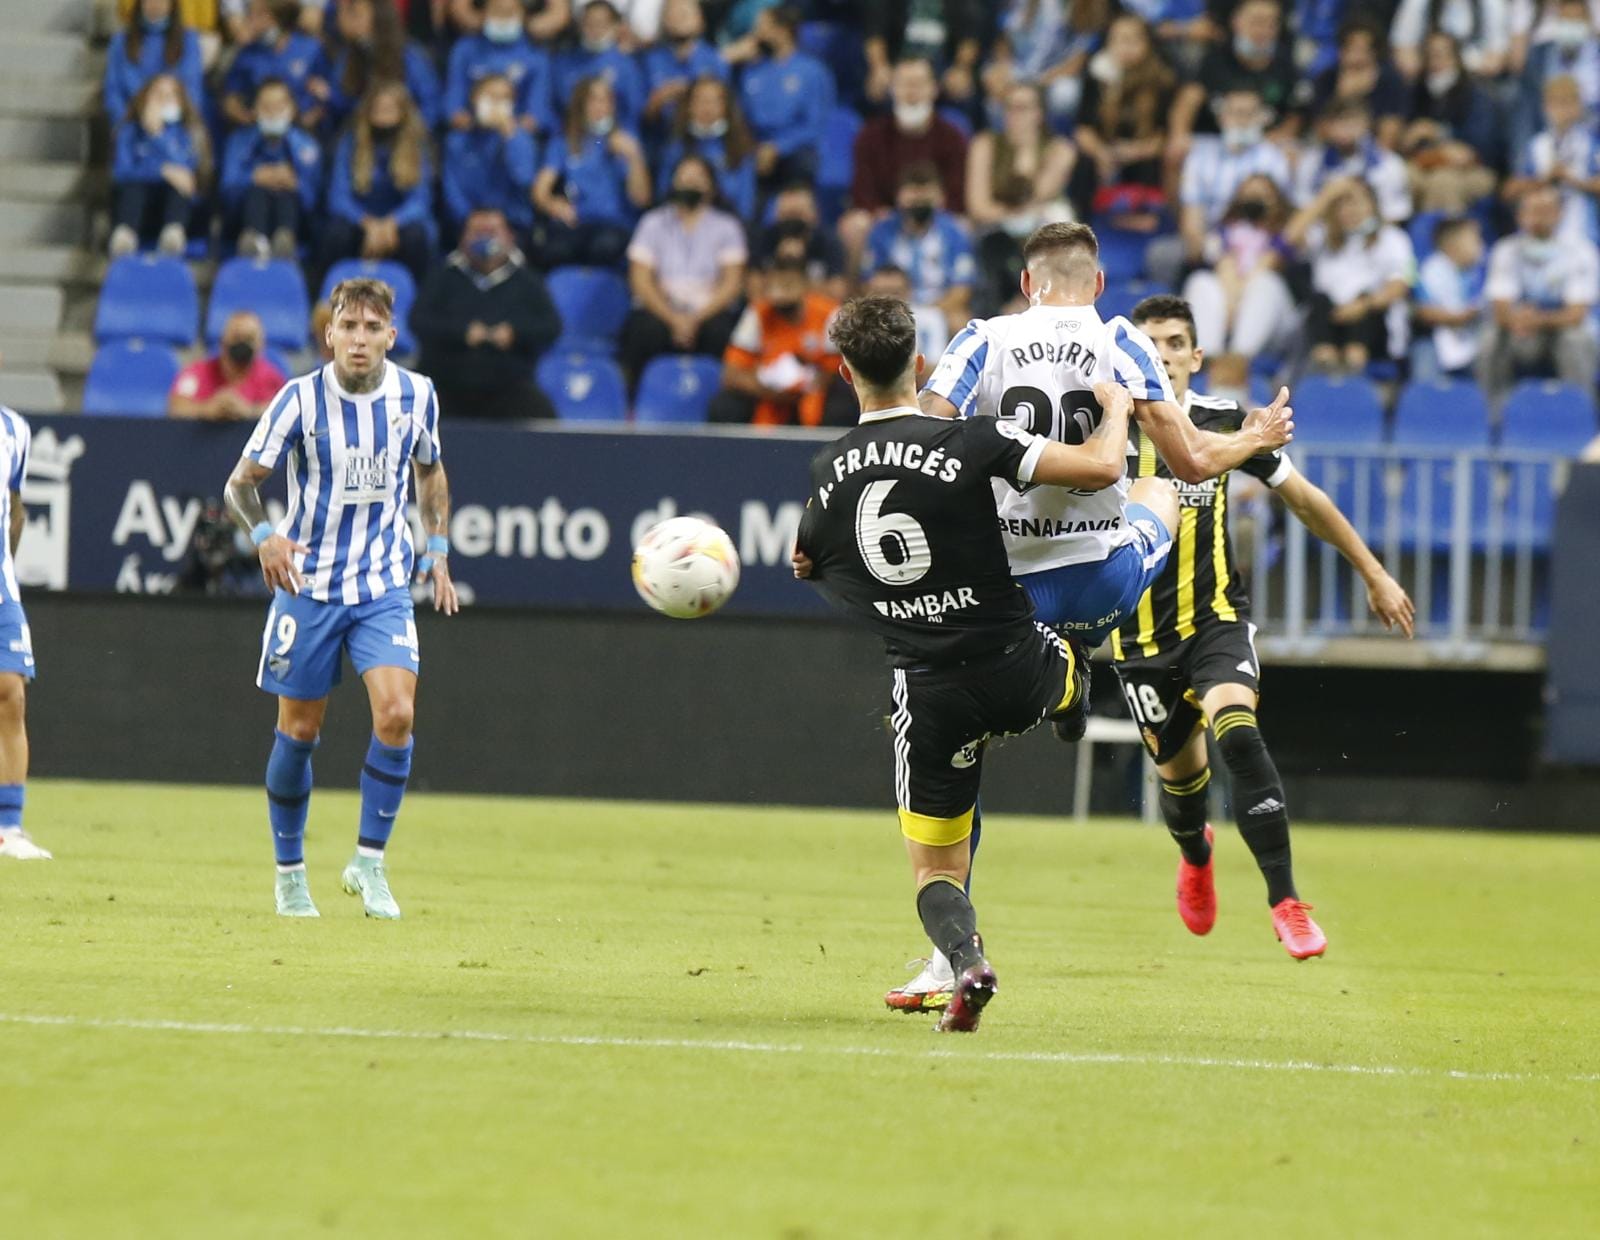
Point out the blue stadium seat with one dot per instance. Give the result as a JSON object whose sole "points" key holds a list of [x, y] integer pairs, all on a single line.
{"points": [[147, 297], [1421, 226], [584, 387], [677, 388], [1121, 252], [1121, 297], [130, 377], [273, 288], [593, 304], [1546, 416], [397, 276], [841, 47], [1330, 410], [1449, 416]]}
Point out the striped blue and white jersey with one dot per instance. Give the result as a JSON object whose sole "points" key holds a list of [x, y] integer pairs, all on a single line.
{"points": [[1038, 369], [16, 439], [349, 461]]}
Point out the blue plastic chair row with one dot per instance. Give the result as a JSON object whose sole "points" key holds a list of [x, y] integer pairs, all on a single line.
{"points": [[588, 387]]}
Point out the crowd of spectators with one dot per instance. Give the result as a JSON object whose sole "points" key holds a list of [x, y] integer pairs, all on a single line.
{"points": [[1401, 187]]}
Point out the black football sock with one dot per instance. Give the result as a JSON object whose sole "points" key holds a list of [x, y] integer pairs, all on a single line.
{"points": [[951, 922], [1183, 805], [1258, 802]]}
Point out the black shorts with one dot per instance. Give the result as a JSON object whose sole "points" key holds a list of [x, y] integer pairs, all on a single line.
{"points": [[1164, 690], [944, 715]]}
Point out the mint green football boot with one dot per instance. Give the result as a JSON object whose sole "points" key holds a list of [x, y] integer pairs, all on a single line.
{"points": [[364, 877], [294, 896]]}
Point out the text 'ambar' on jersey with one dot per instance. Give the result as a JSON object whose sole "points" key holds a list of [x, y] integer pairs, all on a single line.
{"points": [[928, 606]]}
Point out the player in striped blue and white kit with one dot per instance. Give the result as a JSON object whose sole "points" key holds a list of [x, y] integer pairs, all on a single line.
{"points": [[16, 645], [340, 565]]}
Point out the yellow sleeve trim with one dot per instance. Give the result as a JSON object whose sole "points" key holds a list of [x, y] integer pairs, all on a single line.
{"points": [[935, 832]]}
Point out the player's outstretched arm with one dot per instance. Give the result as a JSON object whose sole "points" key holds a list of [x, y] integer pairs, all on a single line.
{"points": [[1195, 455], [1319, 514], [433, 500], [243, 497], [1098, 462]]}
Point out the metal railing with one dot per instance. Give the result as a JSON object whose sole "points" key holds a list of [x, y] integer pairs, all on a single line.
{"points": [[1468, 534]]}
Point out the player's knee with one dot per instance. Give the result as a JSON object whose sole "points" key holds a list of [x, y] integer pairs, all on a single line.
{"points": [[1160, 497], [1243, 750], [296, 729], [13, 700], [392, 720]]}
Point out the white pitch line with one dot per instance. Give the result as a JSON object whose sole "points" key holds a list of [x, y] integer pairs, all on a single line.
{"points": [[1086, 1058]]}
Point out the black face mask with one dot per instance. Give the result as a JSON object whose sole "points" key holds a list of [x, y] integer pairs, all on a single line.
{"points": [[689, 199], [384, 133], [768, 48], [789, 309], [792, 230], [1251, 211], [240, 352], [922, 213]]}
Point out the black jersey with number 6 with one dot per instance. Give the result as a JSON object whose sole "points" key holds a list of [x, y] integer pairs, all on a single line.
{"points": [[903, 535]]}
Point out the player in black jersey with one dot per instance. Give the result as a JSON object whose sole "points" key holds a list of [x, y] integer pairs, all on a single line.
{"points": [[1187, 659], [901, 533]]}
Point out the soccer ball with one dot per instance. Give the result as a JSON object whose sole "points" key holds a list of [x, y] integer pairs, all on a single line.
{"points": [[685, 567]]}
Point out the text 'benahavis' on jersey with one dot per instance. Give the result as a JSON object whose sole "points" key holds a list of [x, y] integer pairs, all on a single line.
{"points": [[901, 531], [350, 476], [1201, 582], [1037, 370]]}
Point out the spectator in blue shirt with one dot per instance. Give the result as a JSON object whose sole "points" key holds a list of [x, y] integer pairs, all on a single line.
{"points": [[271, 177], [371, 46], [682, 58], [593, 184], [493, 163], [277, 50], [156, 167], [502, 48], [381, 188], [926, 242], [597, 55], [787, 98], [709, 125], [1451, 305], [152, 42]]}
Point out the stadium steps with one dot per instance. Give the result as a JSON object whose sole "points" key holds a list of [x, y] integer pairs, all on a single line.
{"points": [[50, 73]]}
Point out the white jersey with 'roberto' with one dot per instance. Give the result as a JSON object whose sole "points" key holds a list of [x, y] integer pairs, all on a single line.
{"points": [[1038, 369]]}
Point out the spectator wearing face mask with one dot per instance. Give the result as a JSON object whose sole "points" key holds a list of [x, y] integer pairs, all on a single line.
{"points": [[597, 55], [946, 33], [1363, 73], [1480, 27], [271, 177], [682, 58], [1361, 271], [787, 96], [152, 41], [1565, 154], [710, 125], [1047, 44], [1451, 304], [380, 188], [483, 318], [779, 368], [1542, 290], [1256, 57], [926, 242], [593, 183], [368, 45], [158, 160], [501, 49], [277, 49], [1348, 149], [686, 267], [236, 383], [1122, 123], [493, 163], [1571, 49], [912, 133], [1454, 142], [795, 234]]}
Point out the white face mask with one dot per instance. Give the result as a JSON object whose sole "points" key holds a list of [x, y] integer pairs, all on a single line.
{"points": [[715, 129], [1539, 249], [1241, 136], [1443, 82], [493, 112], [912, 115], [1569, 34], [603, 43], [274, 126], [1105, 68], [501, 29], [602, 127], [171, 113]]}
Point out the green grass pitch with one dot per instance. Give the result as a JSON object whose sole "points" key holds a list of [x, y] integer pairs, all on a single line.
{"points": [[602, 1019]]}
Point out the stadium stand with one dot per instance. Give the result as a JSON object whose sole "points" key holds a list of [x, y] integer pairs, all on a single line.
{"points": [[584, 387], [677, 388], [130, 377]]}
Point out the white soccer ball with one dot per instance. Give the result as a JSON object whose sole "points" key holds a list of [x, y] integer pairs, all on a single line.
{"points": [[685, 567]]}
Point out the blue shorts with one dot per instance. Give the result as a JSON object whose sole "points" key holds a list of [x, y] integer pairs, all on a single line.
{"points": [[16, 642], [1088, 602], [302, 650]]}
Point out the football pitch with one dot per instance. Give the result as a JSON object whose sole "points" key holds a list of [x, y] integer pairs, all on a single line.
{"points": [[608, 1019]]}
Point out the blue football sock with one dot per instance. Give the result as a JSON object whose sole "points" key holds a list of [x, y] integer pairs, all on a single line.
{"points": [[10, 806], [289, 797], [383, 784]]}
